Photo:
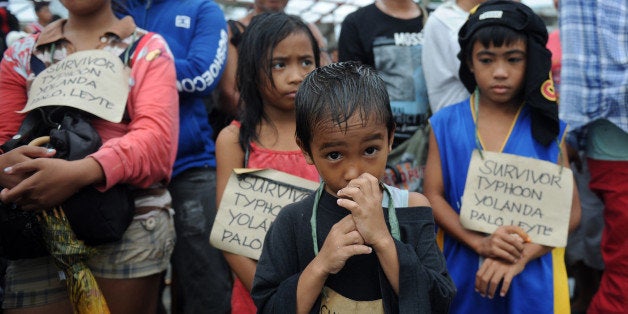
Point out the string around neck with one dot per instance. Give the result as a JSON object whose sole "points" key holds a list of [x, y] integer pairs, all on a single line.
{"points": [[476, 107]]}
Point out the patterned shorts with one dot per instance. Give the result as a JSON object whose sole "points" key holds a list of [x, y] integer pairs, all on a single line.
{"points": [[144, 250]]}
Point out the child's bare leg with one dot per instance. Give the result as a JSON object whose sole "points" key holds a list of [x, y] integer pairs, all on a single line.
{"points": [[138, 295]]}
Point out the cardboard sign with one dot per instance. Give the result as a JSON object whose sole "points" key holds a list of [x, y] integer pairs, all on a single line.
{"points": [[333, 302], [250, 204], [95, 81], [505, 189]]}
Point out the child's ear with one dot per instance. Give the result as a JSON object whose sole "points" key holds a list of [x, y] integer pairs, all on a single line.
{"points": [[391, 139], [470, 65], [308, 158]]}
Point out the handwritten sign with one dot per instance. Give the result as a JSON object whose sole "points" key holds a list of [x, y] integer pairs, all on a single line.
{"points": [[95, 81], [250, 204], [505, 189]]}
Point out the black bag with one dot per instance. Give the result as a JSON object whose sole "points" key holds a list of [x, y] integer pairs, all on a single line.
{"points": [[95, 217]]}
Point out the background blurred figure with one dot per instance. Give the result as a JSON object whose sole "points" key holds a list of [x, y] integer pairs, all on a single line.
{"points": [[387, 35], [583, 255], [594, 101], [440, 50], [196, 33], [44, 17], [8, 23]]}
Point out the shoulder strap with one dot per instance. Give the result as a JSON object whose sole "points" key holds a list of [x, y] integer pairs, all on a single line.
{"points": [[140, 43], [37, 65]]}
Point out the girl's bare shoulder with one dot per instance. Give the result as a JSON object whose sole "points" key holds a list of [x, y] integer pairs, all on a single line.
{"points": [[228, 137]]}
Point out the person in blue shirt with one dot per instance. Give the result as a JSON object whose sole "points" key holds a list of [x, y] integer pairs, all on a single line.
{"points": [[196, 33]]}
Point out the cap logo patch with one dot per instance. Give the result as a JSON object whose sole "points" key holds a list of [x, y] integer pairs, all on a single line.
{"points": [[547, 89], [491, 15]]}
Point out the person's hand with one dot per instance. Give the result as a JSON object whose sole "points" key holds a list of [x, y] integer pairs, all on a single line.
{"points": [[505, 243], [493, 272], [18, 155], [363, 197], [342, 242], [51, 182]]}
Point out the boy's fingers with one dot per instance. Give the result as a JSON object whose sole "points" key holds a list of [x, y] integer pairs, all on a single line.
{"points": [[359, 249], [354, 237], [519, 232], [345, 225], [505, 286], [508, 255], [348, 204]]}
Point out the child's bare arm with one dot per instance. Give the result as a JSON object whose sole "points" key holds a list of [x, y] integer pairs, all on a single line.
{"points": [[229, 155], [363, 197], [342, 242], [500, 244]]}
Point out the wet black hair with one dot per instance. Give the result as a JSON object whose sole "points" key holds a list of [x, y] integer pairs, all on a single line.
{"points": [[335, 93], [259, 40]]}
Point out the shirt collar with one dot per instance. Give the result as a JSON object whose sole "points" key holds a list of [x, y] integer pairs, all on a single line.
{"points": [[122, 28]]}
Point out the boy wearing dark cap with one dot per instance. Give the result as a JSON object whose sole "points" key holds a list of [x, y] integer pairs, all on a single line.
{"points": [[512, 109]]}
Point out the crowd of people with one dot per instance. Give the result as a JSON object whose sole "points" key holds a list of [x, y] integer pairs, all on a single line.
{"points": [[388, 126]]}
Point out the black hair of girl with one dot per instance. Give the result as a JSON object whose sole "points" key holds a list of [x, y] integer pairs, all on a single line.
{"points": [[335, 93], [119, 8], [254, 65], [497, 35]]}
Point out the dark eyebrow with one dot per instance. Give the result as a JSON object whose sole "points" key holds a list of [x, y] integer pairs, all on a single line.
{"points": [[376, 136], [332, 144], [509, 52]]}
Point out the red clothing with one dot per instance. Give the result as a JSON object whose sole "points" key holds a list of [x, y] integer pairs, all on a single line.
{"points": [[292, 162], [608, 180], [553, 44], [141, 149]]}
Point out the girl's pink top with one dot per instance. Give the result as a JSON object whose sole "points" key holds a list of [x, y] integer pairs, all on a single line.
{"points": [[292, 162]]}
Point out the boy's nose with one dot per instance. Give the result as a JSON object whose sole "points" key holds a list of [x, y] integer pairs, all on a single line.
{"points": [[500, 71], [352, 171]]}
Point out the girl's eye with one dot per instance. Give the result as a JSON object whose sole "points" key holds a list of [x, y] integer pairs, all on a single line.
{"points": [[334, 156], [307, 63], [277, 65], [371, 151]]}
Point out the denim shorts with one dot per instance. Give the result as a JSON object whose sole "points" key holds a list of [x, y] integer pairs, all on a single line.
{"points": [[144, 250]]}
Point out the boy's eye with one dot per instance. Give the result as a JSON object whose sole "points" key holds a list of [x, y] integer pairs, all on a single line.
{"points": [[485, 60], [334, 156], [371, 151], [515, 59]]}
